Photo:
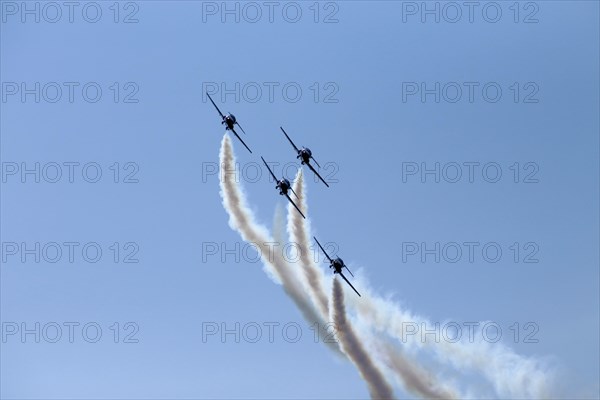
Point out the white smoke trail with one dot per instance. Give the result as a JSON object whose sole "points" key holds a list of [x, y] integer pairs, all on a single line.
{"points": [[298, 232], [242, 220], [407, 372], [378, 386], [414, 378], [278, 229], [511, 375]]}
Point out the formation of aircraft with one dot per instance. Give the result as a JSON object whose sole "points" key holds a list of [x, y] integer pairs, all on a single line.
{"points": [[304, 154]]}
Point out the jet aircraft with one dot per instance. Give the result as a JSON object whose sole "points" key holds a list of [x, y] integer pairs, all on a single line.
{"points": [[337, 264], [305, 155], [284, 185], [229, 121]]}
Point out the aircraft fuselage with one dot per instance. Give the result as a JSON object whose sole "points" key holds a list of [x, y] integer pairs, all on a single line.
{"points": [[337, 264], [283, 185], [305, 154], [229, 121]]}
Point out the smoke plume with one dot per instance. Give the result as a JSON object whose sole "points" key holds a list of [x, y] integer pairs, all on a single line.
{"points": [[510, 374], [242, 220], [378, 387], [298, 232]]}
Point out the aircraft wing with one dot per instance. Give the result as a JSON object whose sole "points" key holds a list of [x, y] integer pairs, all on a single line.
{"points": [[349, 270], [288, 138], [323, 250], [348, 282], [291, 201], [238, 136], [211, 100], [316, 173], [315, 161], [238, 124], [272, 174]]}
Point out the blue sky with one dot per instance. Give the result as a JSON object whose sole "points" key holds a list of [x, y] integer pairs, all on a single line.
{"points": [[364, 126]]}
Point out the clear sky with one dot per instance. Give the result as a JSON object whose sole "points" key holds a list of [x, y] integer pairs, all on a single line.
{"points": [[380, 91]]}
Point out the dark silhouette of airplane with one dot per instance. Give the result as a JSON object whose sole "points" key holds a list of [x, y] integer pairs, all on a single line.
{"points": [[284, 185], [230, 121], [337, 264], [305, 155]]}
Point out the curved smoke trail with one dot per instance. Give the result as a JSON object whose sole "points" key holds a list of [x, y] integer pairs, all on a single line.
{"points": [[511, 375], [298, 232], [242, 220], [414, 378], [378, 387]]}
